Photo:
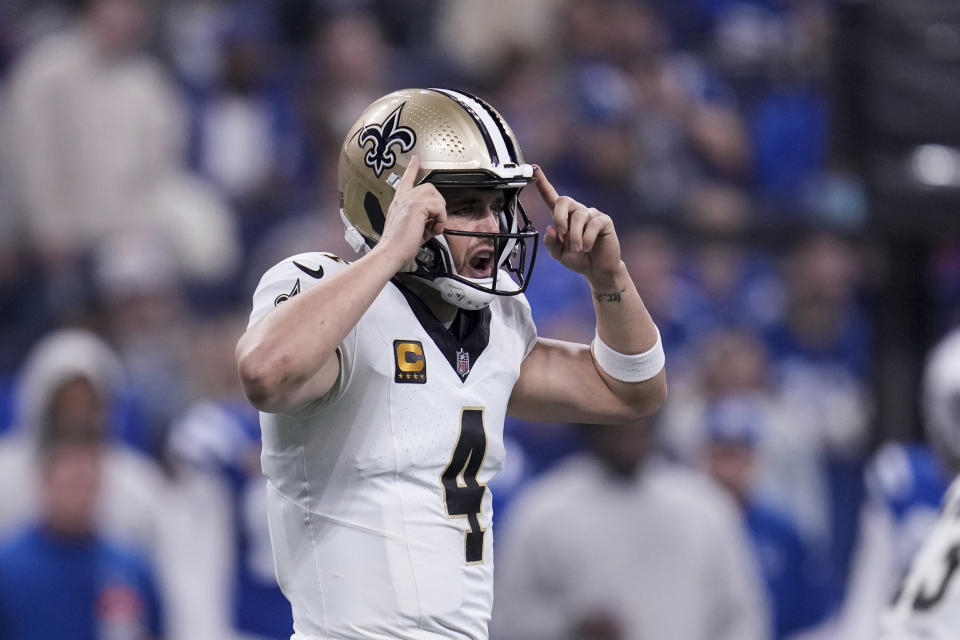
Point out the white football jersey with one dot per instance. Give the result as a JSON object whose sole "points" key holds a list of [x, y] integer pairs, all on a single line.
{"points": [[380, 519], [928, 605]]}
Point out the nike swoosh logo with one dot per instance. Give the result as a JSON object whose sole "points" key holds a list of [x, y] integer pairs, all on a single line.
{"points": [[313, 273]]}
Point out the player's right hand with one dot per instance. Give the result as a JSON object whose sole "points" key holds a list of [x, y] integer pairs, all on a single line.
{"points": [[416, 214]]}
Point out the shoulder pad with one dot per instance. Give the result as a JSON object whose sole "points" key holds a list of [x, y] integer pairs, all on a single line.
{"points": [[902, 477], [290, 277]]}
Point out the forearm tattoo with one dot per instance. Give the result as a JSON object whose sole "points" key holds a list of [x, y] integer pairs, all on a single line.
{"points": [[614, 296]]}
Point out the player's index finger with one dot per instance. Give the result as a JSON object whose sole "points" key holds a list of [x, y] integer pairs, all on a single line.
{"points": [[409, 176], [547, 192]]}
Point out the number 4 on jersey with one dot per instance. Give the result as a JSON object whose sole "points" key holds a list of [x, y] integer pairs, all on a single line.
{"points": [[462, 492], [926, 600]]}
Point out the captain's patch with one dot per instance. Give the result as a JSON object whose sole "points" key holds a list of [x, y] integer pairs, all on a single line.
{"points": [[411, 364]]}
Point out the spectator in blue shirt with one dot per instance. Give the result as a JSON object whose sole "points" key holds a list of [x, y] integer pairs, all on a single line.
{"points": [[59, 578]]}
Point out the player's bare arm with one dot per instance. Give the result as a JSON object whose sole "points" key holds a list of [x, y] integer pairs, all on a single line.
{"points": [[561, 381], [289, 357]]}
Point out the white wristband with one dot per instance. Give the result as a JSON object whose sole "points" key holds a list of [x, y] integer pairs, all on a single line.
{"points": [[629, 368]]}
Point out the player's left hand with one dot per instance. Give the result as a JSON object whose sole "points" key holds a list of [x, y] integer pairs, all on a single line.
{"points": [[582, 238]]}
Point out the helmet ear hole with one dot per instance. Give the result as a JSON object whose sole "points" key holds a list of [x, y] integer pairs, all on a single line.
{"points": [[374, 212]]}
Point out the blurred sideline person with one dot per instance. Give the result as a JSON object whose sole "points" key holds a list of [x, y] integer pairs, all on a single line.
{"points": [[735, 362], [95, 136], [618, 545], [77, 99], [821, 360], [215, 445], [927, 606], [60, 577], [384, 383], [794, 580], [66, 389], [142, 307]]}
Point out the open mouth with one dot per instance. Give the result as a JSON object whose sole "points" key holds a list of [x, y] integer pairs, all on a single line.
{"points": [[480, 265]]}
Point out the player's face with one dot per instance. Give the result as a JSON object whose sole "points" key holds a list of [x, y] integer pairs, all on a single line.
{"points": [[478, 210]]}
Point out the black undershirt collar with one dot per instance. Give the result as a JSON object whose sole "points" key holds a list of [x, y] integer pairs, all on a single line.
{"points": [[463, 342]]}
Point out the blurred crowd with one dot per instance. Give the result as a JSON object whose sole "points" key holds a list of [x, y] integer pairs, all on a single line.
{"points": [[156, 157]]}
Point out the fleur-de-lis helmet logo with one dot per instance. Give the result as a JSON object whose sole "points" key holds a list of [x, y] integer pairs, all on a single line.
{"points": [[385, 137]]}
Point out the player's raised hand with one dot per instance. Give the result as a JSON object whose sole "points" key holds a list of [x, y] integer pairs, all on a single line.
{"points": [[582, 238], [416, 214]]}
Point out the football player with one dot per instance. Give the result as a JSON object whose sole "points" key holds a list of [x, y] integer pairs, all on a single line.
{"points": [[928, 605], [383, 383]]}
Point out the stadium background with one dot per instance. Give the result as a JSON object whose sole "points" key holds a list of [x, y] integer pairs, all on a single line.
{"points": [[782, 173]]}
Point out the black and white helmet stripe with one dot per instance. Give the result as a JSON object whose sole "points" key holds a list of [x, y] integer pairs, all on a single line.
{"points": [[501, 147], [508, 138]]}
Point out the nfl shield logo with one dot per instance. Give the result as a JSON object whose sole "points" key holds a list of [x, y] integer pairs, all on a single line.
{"points": [[463, 363]]}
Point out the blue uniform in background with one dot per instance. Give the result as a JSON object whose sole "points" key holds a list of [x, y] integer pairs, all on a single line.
{"points": [[223, 439], [830, 384], [55, 589], [260, 608], [908, 481], [793, 576], [905, 487]]}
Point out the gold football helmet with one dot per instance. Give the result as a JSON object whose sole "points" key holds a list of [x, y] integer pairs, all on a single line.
{"points": [[461, 142]]}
